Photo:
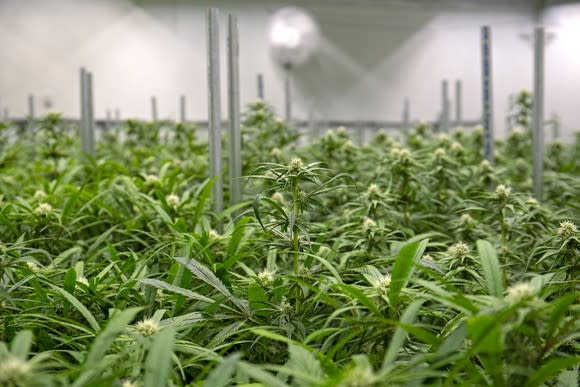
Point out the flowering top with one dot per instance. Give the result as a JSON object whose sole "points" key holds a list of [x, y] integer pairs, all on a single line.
{"points": [[151, 179], [440, 153], [147, 327], [369, 225], [466, 219], [39, 195], [276, 153], [173, 200], [373, 191], [567, 229], [43, 209], [296, 166], [519, 292], [382, 283], [459, 250], [14, 371], [278, 198], [485, 166], [502, 191], [265, 277]]}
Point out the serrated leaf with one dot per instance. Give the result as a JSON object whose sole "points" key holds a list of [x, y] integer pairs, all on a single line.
{"points": [[491, 268]]}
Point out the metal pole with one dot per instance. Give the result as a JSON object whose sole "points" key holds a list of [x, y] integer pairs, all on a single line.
{"points": [[234, 112], [90, 115], [445, 106], [555, 127], [117, 115], [182, 108], [108, 123], [84, 111], [260, 86], [538, 112], [213, 79], [31, 109], [458, 103], [154, 108], [406, 116], [487, 93], [288, 97]]}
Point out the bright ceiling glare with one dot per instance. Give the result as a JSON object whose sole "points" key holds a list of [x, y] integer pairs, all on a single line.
{"points": [[294, 36]]}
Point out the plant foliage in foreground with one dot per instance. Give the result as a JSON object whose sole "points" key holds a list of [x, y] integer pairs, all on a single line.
{"points": [[398, 263]]}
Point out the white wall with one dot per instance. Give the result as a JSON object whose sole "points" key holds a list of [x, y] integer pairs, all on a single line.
{"points": [[371, 58]]}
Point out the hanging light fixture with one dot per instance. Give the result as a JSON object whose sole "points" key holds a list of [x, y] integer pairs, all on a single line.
{"points": [[294, 36]]}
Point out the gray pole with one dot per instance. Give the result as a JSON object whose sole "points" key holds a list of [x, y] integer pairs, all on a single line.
{"points": [[90, 115], [288, 97], [487, 92], [6, 114], [538, 112], [406, 116], [458, 97], [108, 124], [234, 112], [84, 111], [445, 106], [182, 115], [117, 115], [260, 86], [31, 110], [555, 127], [154, 116], [213, 80]]}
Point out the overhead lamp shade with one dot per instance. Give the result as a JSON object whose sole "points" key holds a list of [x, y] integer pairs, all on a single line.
{"points": [[294, 36]]}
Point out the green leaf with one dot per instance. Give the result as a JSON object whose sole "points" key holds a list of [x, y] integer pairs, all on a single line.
{"points": [[158, 363], [360, 297], [114, 327], [206, 275], [551, 369], [485, 333], [400, 335], [21, 344], [260, 375], [491, 268], [306, 365], [403, 269], [221, 375], [79, 306], [176, 289]]}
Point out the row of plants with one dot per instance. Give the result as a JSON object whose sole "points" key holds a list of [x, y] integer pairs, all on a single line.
{"points": [[407, 261]]}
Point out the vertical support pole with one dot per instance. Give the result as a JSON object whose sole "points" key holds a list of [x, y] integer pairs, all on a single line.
{"points": [[31, 114], [234, 112], [84, 114], [87, 114], [154, 116], [288, 97], [260, 86], [487, 92], [117, 115], [555, 127], [538, 112], [445, 106], [406, 116], [182, 106], [90, 115], [31, 107], [458, 104], [6, 114], [214, 105], [108, 123]]}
